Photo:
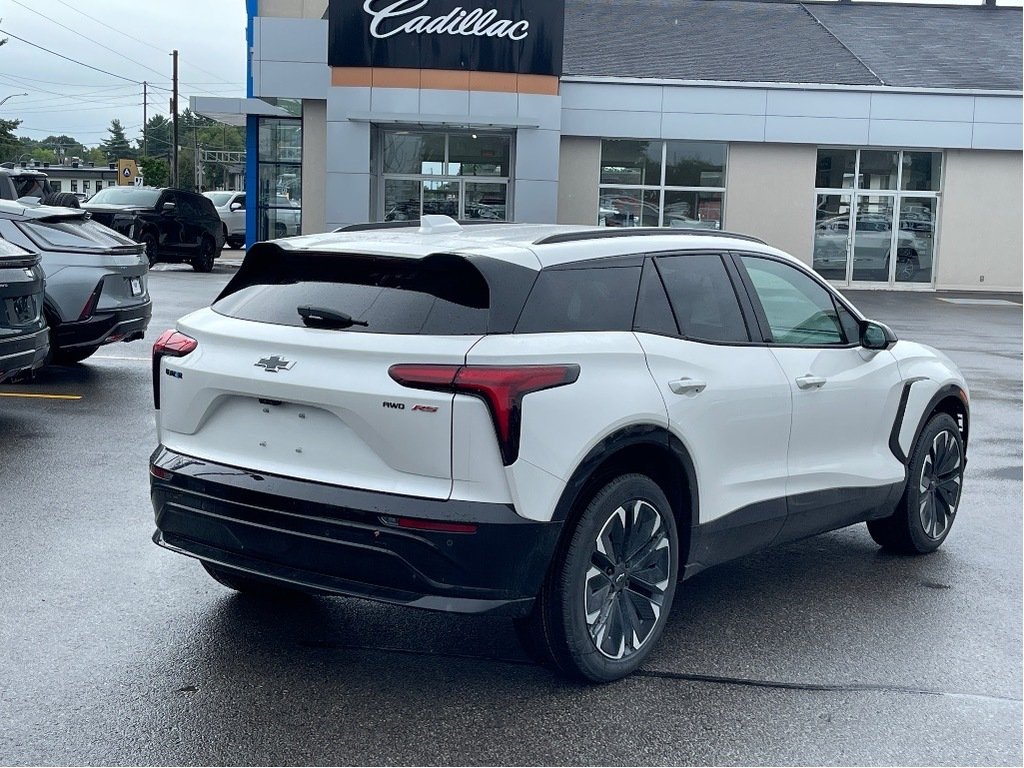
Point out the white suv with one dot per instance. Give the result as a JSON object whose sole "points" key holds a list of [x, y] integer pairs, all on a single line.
{"points": [[554, 423]]}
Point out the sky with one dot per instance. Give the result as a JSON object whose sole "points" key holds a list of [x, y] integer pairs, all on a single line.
{"points": [[131, 40]]}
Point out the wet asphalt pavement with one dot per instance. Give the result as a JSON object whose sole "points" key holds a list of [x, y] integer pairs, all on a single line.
{"points": [[826, 651]]}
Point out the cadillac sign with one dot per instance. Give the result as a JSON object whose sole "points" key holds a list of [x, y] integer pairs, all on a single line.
{"points": [[523, 36]]}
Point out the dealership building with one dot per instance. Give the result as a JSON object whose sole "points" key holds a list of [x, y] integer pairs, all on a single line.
{"points": [[879, 143]]}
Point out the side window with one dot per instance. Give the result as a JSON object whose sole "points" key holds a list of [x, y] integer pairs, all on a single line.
{"points": [[799, 310], [653, 312], [241, 202], [581, 299], [703, 298]]}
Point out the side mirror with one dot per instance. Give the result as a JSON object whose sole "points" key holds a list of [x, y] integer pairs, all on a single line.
{"points": [[874, 335], [236, 206], [168, 206]]}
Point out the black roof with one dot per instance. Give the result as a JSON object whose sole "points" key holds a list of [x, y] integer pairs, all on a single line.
{"points": [[922, 46]]}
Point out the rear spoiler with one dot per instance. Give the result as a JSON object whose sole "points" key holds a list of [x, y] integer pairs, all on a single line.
{"points": [[445, 275]]}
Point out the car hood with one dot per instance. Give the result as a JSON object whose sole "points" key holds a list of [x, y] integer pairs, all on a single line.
{"points": [[111, 208]]}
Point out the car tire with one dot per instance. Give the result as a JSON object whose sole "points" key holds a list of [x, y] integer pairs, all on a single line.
{"points": [[906, 264], [227, 239], [927, 509], [607, 597], [149, 243], [70, 355], [246, 584], [280, 230], [204, 261], [62, 200]]}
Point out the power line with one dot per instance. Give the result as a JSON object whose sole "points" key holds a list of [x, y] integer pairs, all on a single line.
{"points": [[55, 132], [76, 32], [140, 41], [68, 58]]}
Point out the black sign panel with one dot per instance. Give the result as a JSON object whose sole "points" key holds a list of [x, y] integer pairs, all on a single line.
{"points": [[523, 36]]}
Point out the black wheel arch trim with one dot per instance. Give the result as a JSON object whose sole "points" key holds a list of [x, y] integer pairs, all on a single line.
{"points": [[949, 391], [633, 436]]}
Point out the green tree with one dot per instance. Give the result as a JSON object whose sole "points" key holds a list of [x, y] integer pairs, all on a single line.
{"points": [[117, 146], [154, 171], [10, 145], [156, 137]]}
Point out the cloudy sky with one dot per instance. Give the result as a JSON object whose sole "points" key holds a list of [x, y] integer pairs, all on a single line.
{"points": [[131, 40]]}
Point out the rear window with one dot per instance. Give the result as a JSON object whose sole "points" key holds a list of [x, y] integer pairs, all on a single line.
{"points": [[587, 299], [75, 233], [439, 295]]}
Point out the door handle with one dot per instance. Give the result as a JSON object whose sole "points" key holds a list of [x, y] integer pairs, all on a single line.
{"points": [[810, 382], [686, 386]]}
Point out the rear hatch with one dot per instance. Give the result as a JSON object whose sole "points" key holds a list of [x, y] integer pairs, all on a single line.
{"points": [[21, 291], [80, 241], [271, 391]]}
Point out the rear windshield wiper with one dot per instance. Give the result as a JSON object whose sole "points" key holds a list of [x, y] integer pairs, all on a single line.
{"points": [[318, 317]]}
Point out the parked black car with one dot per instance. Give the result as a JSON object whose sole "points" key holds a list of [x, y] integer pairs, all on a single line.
{"points": [[24, 340], [174, 225]]}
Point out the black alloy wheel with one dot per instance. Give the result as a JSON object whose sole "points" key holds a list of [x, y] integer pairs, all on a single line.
{"points": [[607, 595], [926, 511], [149, 243], [203, 262]]}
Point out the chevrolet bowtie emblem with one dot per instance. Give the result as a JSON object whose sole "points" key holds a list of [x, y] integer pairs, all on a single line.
{"points": [[275, 364]]}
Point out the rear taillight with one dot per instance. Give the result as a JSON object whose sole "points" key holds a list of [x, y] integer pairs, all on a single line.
{"points": [[170, 344], [91, 302], [501, 387]]}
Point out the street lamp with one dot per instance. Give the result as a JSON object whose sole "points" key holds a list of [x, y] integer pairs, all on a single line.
{"points": [[5, 98]]}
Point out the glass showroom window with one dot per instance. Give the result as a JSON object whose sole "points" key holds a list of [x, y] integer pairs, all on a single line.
{"points": [[861, 194], [463, 175], [661, 183], [279, 204]]}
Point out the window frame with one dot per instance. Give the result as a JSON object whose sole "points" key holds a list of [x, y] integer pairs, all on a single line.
{"points": [[765, 333], [856, 191], [746, 310], [661, 188]]}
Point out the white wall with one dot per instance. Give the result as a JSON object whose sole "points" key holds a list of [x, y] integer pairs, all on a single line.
{"points": [[769, 193], [980, 222], [579, 173]]}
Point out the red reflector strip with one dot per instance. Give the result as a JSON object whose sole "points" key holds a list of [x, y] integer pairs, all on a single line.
{"points": [[159, 472], [436, 525], [173, 343]]}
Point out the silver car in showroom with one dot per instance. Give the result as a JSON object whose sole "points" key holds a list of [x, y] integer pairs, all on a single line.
{"points": [[96, 279]]}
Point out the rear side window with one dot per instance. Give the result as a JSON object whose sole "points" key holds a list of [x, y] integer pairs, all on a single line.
{"points": [[581, 299], [438, 295], [703, 298]]}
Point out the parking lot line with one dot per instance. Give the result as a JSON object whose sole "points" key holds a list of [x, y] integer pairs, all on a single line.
{"points": [[33, 395]]}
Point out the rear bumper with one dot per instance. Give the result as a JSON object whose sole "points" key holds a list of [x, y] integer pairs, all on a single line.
{"points": [[106, 326], [20, 354], [347, 541]]}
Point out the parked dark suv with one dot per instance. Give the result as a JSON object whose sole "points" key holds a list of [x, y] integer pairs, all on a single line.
{"points": [[23, 336], [174, 225]]}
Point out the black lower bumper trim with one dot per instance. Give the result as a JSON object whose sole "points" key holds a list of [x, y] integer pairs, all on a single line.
{"points": [[345, 541], [129, 323], [24, 353]]}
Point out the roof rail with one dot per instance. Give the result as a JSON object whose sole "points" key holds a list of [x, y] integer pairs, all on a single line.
{"points": [[408, 224], [603, 234]]}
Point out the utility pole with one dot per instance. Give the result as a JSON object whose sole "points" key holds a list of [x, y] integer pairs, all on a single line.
{"points": [[174, 116], [145, 105]]}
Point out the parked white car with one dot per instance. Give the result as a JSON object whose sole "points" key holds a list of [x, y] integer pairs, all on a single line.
{"points": [[231, 209], [553, 423]]}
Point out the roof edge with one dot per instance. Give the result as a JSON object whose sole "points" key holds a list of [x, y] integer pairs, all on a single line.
{"points": [[598, 79]]}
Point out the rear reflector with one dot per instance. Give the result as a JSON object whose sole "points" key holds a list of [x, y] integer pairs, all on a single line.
{"points": [[436, 525], [501, 387], [93, 300]]}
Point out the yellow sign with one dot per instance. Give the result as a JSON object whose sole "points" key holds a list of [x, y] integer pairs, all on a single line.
{"points": [[127, 171]]}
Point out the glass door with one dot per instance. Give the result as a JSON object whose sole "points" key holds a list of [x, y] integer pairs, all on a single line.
{"points": [[872, 238], [832, 236], [915, 250]]}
